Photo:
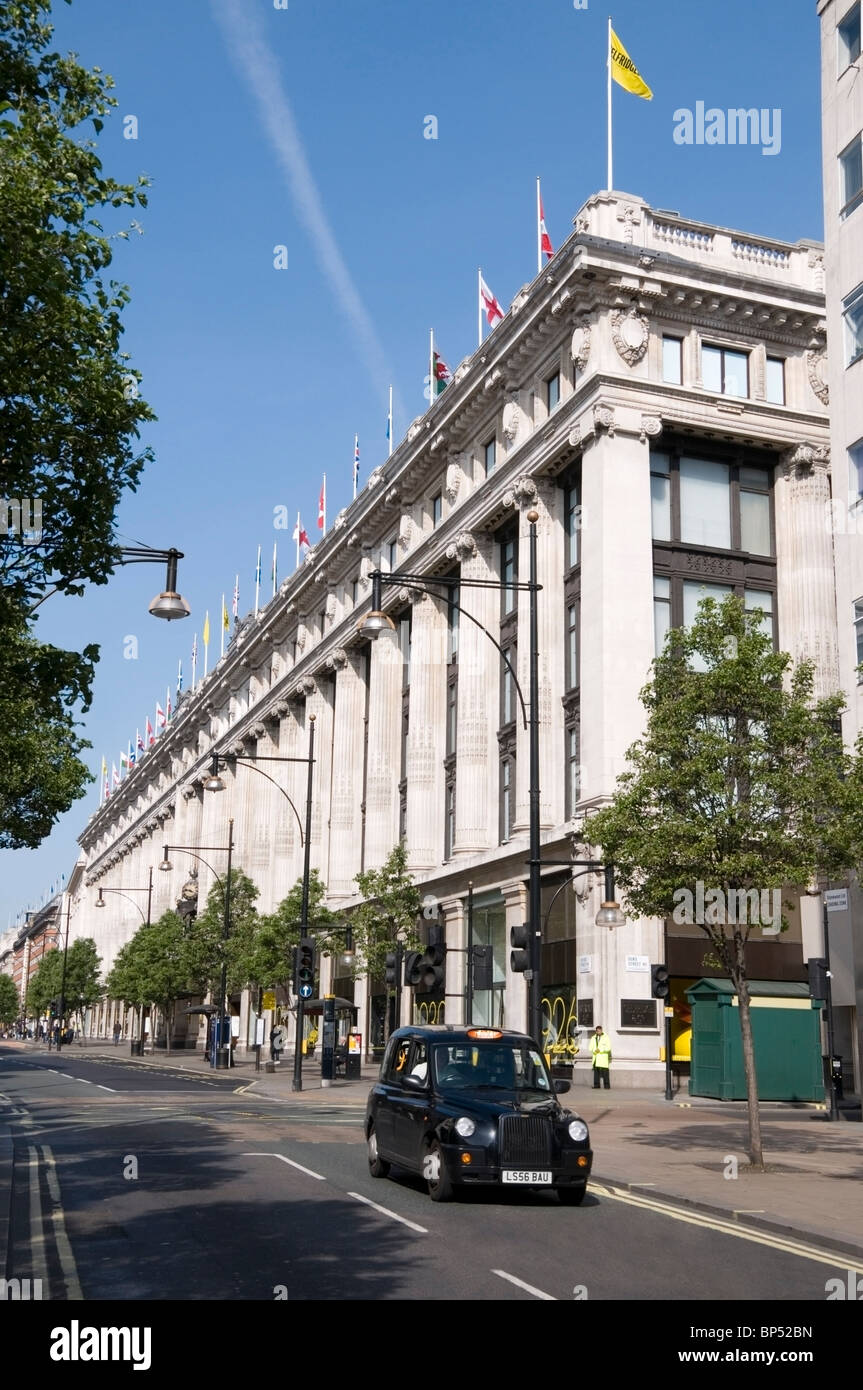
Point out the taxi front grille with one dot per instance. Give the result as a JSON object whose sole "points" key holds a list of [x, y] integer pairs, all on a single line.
{"points": [[525, 1141]]}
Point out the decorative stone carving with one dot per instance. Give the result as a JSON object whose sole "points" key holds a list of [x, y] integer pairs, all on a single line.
{"points": [[520, 300], [630, 216], [582, 224], [524, 491], [413, 429], [337, 659], [561, 302], [579, 345], [651, 427], [629, 333], [816, 370], [463, 547], [257, 731], [438, 442], [302, 634], [393, 496], [330, 606], [492, 379], [603, 417], [511, 421], [574, 438], [461, 371], [406, 532], [815, 261], [452, 478], [375, 477], [341, 519], [805, 458]]}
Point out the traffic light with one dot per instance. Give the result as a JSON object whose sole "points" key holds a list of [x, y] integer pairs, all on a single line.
{"points": [[413, 968], [393, 963], [817, 977], [660, 984], [432, 967], [519, 957], [54, 1008], [482, 967], [306, 966]]}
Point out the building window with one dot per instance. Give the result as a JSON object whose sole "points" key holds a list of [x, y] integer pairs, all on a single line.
{"points": [[490, 455], [672, 360], [660, 496], [449, 828], [855, 468], [507, 792], [573, 771], [451, 716], [509, 574], [436, 509], [355, 592], [552, 391], [571, 646], [507, 686], [851, 177], [852, 314], [661, 611], [404, 635], [725, 370], [760, 601], [392, 553], [572, 521], [754, 486], [848, 35], [705, 514], [776, 380], [858, 629], [452, 614]]}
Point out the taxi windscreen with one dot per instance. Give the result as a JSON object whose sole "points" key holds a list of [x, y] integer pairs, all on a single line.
{"points": [[499, 1066]]}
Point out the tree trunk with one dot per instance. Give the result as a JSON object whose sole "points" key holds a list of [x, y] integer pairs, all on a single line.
{"points": [[741, 984], [169, 1025]]}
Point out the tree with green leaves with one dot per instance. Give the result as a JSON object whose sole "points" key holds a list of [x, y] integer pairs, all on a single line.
{"points": [[387, 916], [736, 784], [44, 983], [128, 981], [205, 941], [162, 957], [267, 951], [70, 407], [10, 1005], [82, 985]]}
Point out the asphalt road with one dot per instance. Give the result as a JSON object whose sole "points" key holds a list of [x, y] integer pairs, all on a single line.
{"points": [[131, 1184]]}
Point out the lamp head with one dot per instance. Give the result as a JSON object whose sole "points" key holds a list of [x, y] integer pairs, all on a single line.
{"points": [[169, 605]]}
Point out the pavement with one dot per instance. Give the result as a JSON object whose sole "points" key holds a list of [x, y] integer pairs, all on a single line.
{"points": [[688, 1152]]}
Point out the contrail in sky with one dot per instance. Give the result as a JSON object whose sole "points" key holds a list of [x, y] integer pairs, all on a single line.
{"points": [[256, 61]]}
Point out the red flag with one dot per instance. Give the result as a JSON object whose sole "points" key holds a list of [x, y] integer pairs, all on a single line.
{"points": [[151, 737], [322, 506], [545, 239], [493, 311]]}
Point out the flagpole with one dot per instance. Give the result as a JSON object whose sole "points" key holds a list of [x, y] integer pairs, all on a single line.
{"points": [[610, 180], [391, 420], [257, 581], [325, 504], [195, 662], [297, 565], [206, 641], [355, 471], [275, 545], [538, 228], [479, 306], [431, 367], [222, 627]]}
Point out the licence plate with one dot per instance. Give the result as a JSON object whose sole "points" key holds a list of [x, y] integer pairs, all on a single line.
{"points": [[527, 1176]]}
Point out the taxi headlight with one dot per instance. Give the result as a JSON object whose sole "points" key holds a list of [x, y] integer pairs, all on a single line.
{"points": [[465, 1126], [577, 1131]]}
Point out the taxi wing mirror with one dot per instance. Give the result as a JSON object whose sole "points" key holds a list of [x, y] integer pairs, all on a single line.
{"points": [[417, 1082], [561, 1087]]}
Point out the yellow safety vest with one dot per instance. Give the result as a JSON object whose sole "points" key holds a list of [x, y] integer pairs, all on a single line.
{"points": [[600, 1049]]}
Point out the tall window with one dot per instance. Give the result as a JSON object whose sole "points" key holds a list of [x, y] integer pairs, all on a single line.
{"points": [[776, 380], [855, 470], [705, 517], [705, 502], [507, 795], [573, 771], [660, 496], [858, 628], [848, 37], [392, 553], [552, 391], [725, 370], [672, 360], [571, 646], [852, 315], [490, 456], [436, 509], [355, 592], [851, 177], [661, 610], [509, 573], [754, 485], [449, 827], [508, 697], [572, 523]]}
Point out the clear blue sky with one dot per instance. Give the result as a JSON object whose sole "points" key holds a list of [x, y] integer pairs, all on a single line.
{"points": [[261, 377]]}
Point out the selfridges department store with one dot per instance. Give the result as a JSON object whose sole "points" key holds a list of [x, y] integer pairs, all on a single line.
{"points": [[657, 397]]}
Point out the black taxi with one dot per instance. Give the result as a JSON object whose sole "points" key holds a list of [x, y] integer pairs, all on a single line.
{"points": [[467, 1106]]}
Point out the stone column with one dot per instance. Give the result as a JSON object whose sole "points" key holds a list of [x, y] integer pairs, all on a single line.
{"points": [[545, 499], [293, 743], [804, 558], [382, 768], [426, 747], [345, 815], [515, 998], [268, 810], [319, 702], [476, 800], [455, 927]]}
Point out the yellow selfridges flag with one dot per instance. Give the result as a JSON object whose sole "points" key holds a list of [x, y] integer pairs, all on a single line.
{"points": [[624, 71], [207, 630], [225, 623]]}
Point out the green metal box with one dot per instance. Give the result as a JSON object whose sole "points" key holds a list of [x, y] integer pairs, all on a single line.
{"points": [[786, 1032]]}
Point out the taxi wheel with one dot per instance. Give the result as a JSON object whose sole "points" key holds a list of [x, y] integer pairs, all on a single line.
{"points": [[436, 1175], [571, 1196], [378, 1167]]}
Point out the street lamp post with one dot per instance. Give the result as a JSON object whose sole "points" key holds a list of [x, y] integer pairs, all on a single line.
{"points": [[169, 604], [214, 783], [221, 1053], [377, 621]]}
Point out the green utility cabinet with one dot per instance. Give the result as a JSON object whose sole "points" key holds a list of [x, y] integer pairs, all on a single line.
{"points": [[786, 1032]]}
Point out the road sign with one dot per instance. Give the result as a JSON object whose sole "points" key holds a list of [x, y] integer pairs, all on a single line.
{"points": [[269, 999], [305, 991], [836, 900]]}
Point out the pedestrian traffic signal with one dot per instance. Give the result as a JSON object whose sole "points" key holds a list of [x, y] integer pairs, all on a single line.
{"points": [[305, 963], [817, 978], [432, 967], [482, 967], [660, 983], [393, 968], [413, 968], [519, 958]]}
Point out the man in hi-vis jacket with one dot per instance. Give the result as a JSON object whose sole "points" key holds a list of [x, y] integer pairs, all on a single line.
{"points": [[600, 1051]]}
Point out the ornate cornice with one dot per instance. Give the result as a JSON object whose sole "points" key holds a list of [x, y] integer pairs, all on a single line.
{"points": [[462, 548], [804, 459]]}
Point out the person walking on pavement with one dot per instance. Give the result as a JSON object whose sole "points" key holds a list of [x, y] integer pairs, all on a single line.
{"points": [[116, 1033], [600, 1051]]}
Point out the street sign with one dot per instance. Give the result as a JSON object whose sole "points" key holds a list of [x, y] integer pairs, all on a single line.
{"points": [[269, 999], [836, 900], [305, 991], [668, 1011]]}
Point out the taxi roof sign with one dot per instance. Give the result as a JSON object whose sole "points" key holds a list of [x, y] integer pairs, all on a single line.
{"points": [[484, 1033]]}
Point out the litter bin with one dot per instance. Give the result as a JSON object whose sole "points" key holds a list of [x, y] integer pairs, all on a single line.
{"points": [[136, 1047]]}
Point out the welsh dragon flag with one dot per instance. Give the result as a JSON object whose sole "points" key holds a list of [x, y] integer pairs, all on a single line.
{"points": [[442, 373]]}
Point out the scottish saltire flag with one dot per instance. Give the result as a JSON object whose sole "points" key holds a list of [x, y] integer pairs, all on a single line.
{"points": [[179, 678], [356, 462]]}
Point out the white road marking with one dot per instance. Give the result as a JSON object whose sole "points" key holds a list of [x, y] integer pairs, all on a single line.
{"points": [[37, 1228], [385, 1211], [67, 1076], [731, 1228], [320, 1177], [528, 1288], [61, 1238], [106, 1088]]}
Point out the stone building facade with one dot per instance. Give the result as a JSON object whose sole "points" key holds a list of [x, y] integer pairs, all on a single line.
{"points": [[652, 396]]}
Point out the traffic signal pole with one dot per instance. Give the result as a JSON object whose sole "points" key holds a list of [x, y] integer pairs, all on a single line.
{"points": [[297, 1082]]}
